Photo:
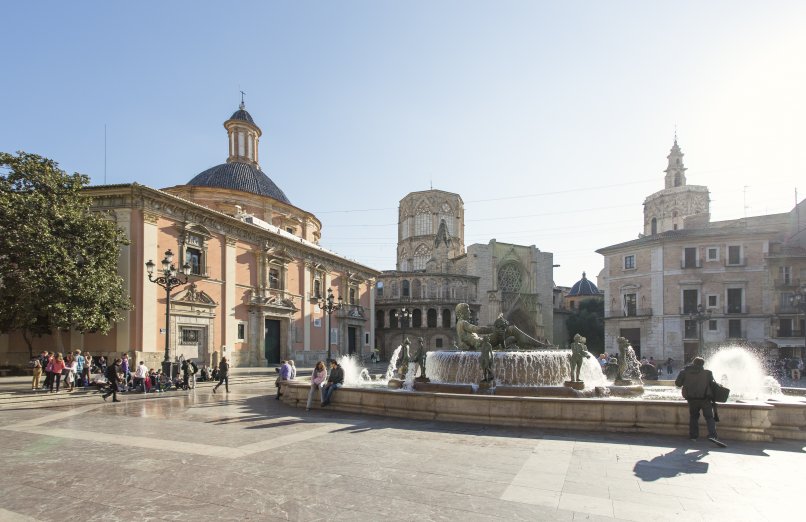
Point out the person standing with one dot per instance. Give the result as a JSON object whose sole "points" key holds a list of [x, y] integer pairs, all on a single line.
{"points": [[47, 359], [112, 381], [334, 381], [293, 367], [85, 373], [141, 376], [317, 380], [56, 367], [669, 363], [696, 382], [36, 369], [70, 369], [80, 360], [223, 375], [125, 370]]}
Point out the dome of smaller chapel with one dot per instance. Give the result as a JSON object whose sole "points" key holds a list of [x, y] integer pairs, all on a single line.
{"points": [[583, 287]]}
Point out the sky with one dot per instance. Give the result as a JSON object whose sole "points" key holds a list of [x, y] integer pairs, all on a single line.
{"points": [[552, 120]]}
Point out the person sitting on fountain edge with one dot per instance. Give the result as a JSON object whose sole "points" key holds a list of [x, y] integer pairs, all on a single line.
{"points": [[696, 382], [334, 381]]}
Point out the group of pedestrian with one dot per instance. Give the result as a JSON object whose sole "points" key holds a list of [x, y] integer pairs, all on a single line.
{"points": [[70, 369]]}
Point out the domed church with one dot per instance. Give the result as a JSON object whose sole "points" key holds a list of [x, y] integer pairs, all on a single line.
{"points": [[257, 271]]}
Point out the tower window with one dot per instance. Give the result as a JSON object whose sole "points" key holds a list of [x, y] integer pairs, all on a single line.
{"points": [[274, 278]]}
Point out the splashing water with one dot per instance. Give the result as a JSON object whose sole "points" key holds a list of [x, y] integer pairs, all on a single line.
{"points": [[391, 370], [527, 368], [632, 368], [742, 372], [354, 373]]}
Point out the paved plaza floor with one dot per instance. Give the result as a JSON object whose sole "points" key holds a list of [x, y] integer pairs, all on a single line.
{"points": [[244, 456]]}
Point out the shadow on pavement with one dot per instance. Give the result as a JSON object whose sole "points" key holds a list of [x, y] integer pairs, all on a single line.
{"points": [[667, 465]]}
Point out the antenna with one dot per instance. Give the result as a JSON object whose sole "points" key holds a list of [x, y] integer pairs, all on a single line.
{"points": [[242, 103], [104, 153]]}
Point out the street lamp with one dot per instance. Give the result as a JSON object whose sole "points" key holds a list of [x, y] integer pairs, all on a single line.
{"points": [[328, 306], [168, 280], [701, 315], [404, 314], [798, 302]]}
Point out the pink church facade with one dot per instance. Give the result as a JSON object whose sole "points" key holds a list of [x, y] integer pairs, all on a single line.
{"points": [[257, 272]]}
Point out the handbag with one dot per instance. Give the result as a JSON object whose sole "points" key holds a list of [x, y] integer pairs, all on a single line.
{"points": [[719, 392]]}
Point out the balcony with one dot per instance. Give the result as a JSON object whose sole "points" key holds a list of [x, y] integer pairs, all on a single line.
{"points": [[741, 261], [789, 333], [782, 284], [691, 263], [634, 312], [737, 309]]}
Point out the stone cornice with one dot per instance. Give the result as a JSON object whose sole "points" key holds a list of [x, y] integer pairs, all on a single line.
{"points": [[155, 202]]}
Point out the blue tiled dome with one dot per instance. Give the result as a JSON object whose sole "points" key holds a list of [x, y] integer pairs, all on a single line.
{"points": [[240, 176], [583, 287], [242, 115]]}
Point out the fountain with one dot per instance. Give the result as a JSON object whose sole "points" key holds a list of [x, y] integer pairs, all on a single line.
{"points": [[525, 388]]}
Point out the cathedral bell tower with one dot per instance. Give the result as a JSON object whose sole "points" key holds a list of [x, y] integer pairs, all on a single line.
{"points": [[667, 209]]}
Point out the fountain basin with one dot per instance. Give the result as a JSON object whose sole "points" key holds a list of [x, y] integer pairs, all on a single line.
{"points": [[751, 421]]}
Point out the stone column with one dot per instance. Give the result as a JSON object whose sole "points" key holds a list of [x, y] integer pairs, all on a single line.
{"points": [[151, 292], [371, 287], [306, 307], [229, 322], [123, 333]]}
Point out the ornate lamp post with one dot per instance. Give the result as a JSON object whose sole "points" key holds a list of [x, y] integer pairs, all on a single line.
{"points": [[701, 315], [169, 279], [328, 306], [798, 302], [404, 314]]}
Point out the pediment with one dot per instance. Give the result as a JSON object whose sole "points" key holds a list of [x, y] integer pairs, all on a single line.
{"points": [[192, 294]]}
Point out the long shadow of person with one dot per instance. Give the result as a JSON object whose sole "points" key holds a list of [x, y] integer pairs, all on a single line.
{"points": [[672, 464]]}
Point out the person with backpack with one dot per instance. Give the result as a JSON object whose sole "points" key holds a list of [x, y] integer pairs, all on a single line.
{"points": [[36, 368], [697, 384], [47, 357]]}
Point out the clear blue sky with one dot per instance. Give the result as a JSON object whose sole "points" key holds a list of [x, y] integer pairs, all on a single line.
{"points": [[551, 119]]}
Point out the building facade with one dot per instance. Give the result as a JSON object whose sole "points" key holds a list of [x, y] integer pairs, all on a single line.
{"points": [[257, 271], [689, 281], [435, 273]]}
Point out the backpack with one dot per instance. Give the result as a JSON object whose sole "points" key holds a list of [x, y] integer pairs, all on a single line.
{"points": [[193, 367]]}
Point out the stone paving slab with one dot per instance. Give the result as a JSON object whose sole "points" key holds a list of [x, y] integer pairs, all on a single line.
{"points": [[245, 456]]}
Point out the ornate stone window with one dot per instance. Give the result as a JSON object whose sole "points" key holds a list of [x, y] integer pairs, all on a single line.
{"points": [[393, 319], [274, 279], [510, 278], [193, 247], [432, 289], [423, 225], [379, 319], [352, 296], [379, 289], [190, 336], [405, 285], [446, 318], [416, 289], [432, 318], [446, 213], [317, 288], [417, 318], [421, 256]]}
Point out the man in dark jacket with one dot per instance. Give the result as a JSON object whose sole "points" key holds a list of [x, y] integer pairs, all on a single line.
{"points": [[334, 381], [696, 382], [112, 381]]}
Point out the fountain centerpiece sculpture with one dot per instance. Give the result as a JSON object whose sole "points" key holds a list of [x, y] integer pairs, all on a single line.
{"points": [[579, 352], [419, 358]]}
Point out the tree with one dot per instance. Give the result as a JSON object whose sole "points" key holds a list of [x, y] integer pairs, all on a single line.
{"points": [[588, 321], [58, 258]]}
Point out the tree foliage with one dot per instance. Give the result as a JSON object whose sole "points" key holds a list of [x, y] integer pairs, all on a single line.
{"points": [[588, 321], [58, 259]]}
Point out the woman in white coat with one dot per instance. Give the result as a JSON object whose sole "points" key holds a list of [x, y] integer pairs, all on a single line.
{"points": [[318, 378]]}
